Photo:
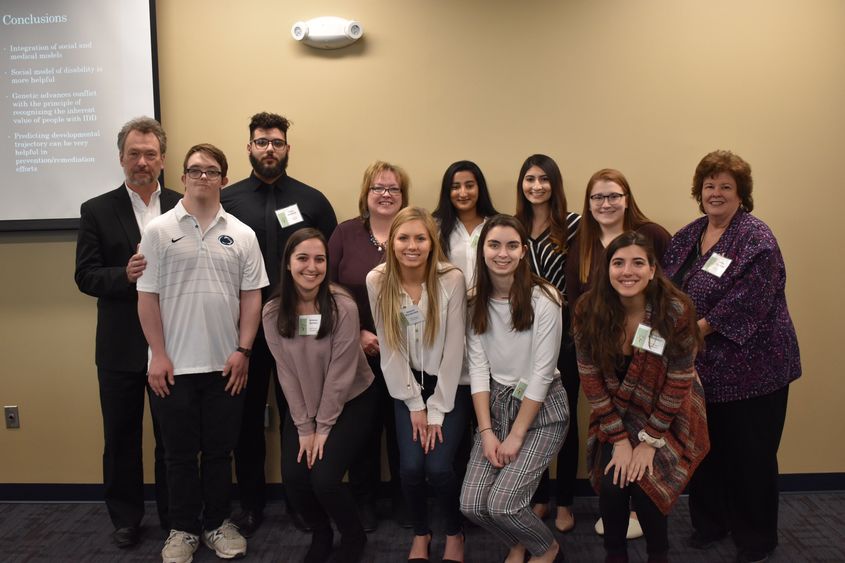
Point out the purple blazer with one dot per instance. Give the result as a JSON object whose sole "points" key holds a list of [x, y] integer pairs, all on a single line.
{"points": [[753, 350]]}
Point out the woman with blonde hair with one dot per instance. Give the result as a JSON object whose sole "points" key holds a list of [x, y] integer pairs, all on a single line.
{"points": [[356, 247], [418, 302]]}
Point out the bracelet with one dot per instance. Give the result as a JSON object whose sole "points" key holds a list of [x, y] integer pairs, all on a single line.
{"points": [[484, 430], [651, 441]]}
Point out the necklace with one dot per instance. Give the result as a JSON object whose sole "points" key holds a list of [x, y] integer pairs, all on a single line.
{"points": [[376, 243]]}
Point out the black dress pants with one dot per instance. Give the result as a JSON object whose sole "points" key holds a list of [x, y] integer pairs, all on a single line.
{"points": [[251, 449], [122, 404], [735, 489], [318, 494]]}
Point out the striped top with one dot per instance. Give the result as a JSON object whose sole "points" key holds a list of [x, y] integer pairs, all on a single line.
{"points": [[545, 261], [659, 395]]}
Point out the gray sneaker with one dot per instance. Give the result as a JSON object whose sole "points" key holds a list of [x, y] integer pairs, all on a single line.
{"points": [[179, 547], [226, 541]]}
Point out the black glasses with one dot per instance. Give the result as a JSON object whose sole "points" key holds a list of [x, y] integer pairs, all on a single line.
{"points": [[196, 173], [392, 190], [263, 143], [598, 199]]}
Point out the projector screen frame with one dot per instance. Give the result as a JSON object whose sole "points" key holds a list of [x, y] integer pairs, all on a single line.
{"points": [[72, 224]]}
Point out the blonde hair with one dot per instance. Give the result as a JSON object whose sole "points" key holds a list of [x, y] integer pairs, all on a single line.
{"points": [[389, 299]]}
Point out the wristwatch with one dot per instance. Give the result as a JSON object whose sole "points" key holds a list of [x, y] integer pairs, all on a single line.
{"points": [[245, 351], [653, 442]]}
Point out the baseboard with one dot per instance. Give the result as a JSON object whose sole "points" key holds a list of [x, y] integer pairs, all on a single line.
{"points": [[77, 492]]}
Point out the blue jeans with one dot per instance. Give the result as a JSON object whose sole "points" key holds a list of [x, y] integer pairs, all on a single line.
{"points": [[436, 467]]}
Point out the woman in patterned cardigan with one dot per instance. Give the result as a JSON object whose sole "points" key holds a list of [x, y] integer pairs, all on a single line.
{"points": [[636, 337]]}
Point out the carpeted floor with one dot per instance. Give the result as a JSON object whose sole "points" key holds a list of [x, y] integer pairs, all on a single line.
{"points": [[812, 528]]}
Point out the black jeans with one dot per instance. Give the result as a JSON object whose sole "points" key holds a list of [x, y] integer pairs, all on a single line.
{"points": [[251, 449], [614, 506], [365, 471], [122, 404], [199, 417], [318, 494], [567, 457], [735, 489]]}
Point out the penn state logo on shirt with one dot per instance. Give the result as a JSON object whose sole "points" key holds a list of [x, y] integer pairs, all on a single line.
{"points": [[226, 240]]}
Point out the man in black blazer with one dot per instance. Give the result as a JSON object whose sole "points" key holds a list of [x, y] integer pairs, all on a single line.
{"points": [[107, 267]]}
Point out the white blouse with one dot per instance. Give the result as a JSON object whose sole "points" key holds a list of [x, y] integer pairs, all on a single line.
{"points": [[443, 358], [462, 249]]}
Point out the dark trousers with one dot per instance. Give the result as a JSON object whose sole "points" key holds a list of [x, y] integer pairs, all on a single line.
{"points": [[251, 451], [365, 471], [122, 405], [199, 418], [437, 467], [615, 509], [318, 494], [567, 457], [735, 489]]}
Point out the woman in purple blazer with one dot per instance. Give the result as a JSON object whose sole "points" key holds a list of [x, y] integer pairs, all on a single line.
{"points": [[731, 266]]}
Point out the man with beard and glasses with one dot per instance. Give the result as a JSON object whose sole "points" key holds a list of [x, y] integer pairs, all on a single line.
{"points": [[274, 205]]}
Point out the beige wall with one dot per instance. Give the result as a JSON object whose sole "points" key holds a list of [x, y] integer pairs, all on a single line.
{"points": [[644, 86]]}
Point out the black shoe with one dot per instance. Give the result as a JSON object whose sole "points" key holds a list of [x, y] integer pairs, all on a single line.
{"points": [[125, 537], [299, 523], [321, 546], [401, 515], [699, 541], [367, 514], [750, 556], [351, 550], [247, 521]]}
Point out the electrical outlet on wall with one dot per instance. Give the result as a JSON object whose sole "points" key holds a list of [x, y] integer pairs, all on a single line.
{"points": [[13, 418]]}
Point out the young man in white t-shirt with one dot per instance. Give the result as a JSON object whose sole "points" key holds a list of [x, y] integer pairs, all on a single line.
{"points": [[199, 302]]}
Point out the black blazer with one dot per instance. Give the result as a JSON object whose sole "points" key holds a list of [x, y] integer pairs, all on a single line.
{"points": [[108, 236]]}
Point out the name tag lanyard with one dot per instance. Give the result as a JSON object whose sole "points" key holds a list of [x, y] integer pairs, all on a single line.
{"points": [[412, 317]]}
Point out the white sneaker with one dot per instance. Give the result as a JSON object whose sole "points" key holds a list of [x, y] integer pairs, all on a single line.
{"points": [[226, 541], [179, 547]]}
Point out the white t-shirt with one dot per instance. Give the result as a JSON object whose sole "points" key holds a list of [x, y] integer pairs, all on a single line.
{"points": [[198, 278], [509, 356]]}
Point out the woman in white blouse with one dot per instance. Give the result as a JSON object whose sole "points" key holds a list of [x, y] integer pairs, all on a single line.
{"points": [[513, 342], [418, 303], [463, 207]]}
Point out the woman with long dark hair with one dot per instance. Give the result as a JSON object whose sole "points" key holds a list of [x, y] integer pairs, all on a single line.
{"points": [[513, 341], [637, 336], [463, 207], [312, 330], [552, 228]]}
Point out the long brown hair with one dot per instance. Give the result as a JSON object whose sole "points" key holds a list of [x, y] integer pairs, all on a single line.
{"points": [[287, 321], [589, 230], [389, 299], [599, 321], [558, 231], [522, 311]]}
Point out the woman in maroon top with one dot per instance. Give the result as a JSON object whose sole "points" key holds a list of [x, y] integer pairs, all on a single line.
{"points": [[356, 247]]}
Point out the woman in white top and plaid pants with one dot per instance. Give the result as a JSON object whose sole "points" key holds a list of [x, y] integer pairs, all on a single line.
{"points": [[513, 341]]}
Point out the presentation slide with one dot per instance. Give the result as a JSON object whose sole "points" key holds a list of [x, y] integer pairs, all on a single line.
{"points": [[73, 73]]}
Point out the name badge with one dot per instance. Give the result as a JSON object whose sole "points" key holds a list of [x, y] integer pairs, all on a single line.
{"points": [[288, 216], [309, 325], [473, 242], [717, 264], [411, 315], [648, 340], [519, 390]]}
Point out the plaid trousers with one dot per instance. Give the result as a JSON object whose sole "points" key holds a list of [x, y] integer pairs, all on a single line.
{"points": [[499, 499]]}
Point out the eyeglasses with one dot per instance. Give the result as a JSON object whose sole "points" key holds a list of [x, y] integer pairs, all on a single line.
{"points": [[612, 199], [263, 143], [196, 173], [392, 190]]}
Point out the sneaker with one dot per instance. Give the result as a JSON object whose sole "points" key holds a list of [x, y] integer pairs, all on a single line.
{"points": [[226, 541], [179, 547]]}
